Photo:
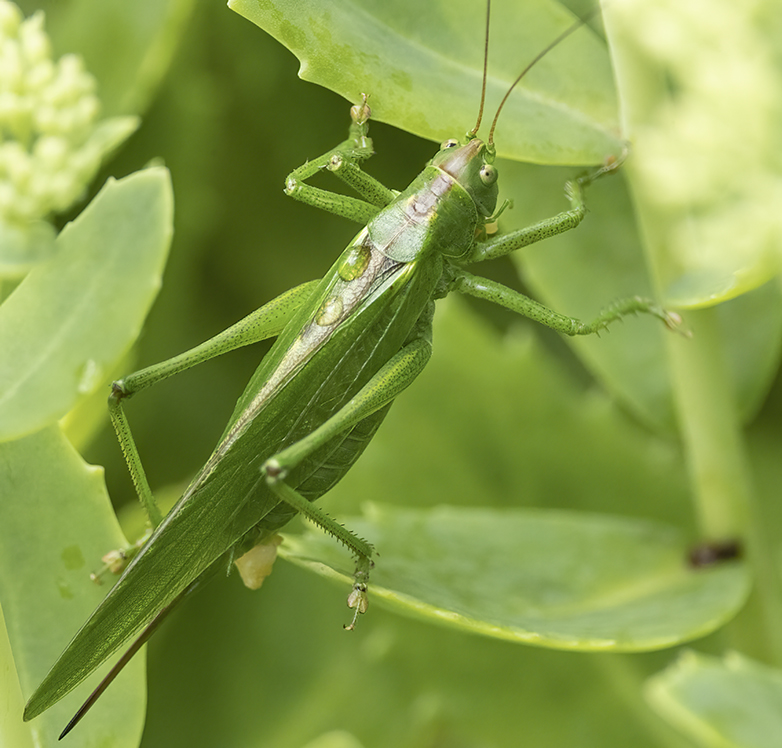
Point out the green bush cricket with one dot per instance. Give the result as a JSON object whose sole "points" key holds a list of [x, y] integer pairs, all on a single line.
{"points": [[346, 346]]}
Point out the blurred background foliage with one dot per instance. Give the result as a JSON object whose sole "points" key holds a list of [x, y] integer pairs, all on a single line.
{"points": [[230, 119]]}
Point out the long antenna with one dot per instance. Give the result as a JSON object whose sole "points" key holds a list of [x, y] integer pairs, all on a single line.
{"points": [[474, 131], [566, 33]]}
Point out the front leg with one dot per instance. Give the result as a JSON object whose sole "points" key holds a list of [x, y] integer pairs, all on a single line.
{"points": [[343, 161], [559, 224]]}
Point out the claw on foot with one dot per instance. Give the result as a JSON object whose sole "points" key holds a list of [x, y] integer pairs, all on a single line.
{"points": [[358, 600], [673, 321], [116, 561]]}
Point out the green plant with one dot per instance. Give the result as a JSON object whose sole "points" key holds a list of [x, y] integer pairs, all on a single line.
{"points": [[641, 438]]}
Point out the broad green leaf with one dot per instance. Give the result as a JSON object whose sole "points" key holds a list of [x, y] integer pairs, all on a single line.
{"points": [[71, 319], [733, 702], [546, 578], [704, 119], [56, 522], [241, 669], [421, 65], [23, 246], [12, 730]]}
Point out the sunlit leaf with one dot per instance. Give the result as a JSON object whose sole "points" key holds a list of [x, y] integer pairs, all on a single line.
{"points": [[421, 65], [71, 319], [732, 701], [56, 522], [546, 578]]}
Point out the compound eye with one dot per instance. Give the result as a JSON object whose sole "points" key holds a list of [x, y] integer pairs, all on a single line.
{"points": [[488, 174], [450, 143]]}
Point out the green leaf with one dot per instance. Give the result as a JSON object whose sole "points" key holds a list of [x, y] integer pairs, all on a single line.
{"points": [[24, 245], [537, 577], [732, 702], [281, 671], [705, 177], [70, 320], [12, 730], [421, 65], [56, 521]]}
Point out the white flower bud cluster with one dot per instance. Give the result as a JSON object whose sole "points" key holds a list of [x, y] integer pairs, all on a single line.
{"points": [[47, 117]]}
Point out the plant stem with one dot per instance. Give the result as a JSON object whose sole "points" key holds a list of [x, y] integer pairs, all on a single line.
{"points": [[703, 390], [724, 498], [710, 429]]}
